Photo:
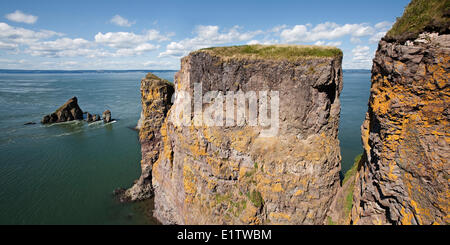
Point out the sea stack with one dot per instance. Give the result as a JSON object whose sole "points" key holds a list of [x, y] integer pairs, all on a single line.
{"points": [[403, 177], [245, 171], [106, 116], [67, 112], [156, 95]]}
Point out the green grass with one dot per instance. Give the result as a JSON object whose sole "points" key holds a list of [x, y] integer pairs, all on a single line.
{"points": [[349, 200], [420, 16], [274, 52], [352, 171]]}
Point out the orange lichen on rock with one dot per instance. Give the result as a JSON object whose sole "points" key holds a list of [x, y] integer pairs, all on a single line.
{"points": [[404, 178]]}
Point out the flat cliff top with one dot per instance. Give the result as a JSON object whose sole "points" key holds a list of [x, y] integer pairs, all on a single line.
{"points": [[421, 16], [273, 52]]}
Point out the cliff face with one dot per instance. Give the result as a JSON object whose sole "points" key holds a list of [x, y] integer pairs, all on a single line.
{"points": [[156, 97], [237, 174], [403, 177]]}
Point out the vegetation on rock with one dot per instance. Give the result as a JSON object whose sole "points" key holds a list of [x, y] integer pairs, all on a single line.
{"points": [[274, 52], [421, 16]]}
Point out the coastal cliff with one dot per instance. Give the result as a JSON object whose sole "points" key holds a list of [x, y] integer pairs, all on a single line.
{"points": [[403, 177], [243, 172], [156, 95]]}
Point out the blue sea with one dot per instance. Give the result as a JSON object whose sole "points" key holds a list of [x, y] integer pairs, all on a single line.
{"points": [[66, 173]]}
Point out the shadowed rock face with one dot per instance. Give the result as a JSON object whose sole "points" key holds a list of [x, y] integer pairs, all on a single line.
{"points": [[156, 97], [68, 112], [231, 175], [403, 178]]}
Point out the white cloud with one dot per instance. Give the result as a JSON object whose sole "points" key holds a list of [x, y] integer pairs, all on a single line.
{"points": [[19, 16], [120, 21], [326, 31], [129, 43], [128, 39], [323, 43], [361, 58], [63, 47], [385, 25], [8, 46], [16, 35], [207, 36], [377, 37], [278, 28]]}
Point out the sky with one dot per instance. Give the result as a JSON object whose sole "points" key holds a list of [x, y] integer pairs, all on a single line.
{"points": [[123, 35]]}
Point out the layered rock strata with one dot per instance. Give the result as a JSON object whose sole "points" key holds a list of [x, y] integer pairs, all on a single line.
{"points": [[404, 174], [156, 95], [245, 171]]}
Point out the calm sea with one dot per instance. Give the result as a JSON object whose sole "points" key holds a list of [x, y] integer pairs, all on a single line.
{"points": [[65, 173]]}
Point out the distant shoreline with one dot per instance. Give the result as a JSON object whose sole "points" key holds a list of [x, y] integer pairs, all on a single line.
{"points": [[18, 71]]}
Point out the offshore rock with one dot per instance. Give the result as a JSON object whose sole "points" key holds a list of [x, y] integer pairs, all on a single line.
{"points": [[106, 116], [156, 95], [404, 174], [68, 112], [92, 117], [234, 174]]}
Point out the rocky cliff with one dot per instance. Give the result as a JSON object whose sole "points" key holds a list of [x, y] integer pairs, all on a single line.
{"points": [[403, 177], [284, 170], [156, 95]]}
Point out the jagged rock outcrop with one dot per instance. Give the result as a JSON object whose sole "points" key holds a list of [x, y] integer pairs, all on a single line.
{"points": [[106, 116], [236, 174], [156, 95], [92, 117], [68, 112], [403, 177]]}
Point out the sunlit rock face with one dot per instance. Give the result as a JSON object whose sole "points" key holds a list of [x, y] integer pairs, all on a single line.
{"points": [[404, 175], [156, 97], [240, 174]]}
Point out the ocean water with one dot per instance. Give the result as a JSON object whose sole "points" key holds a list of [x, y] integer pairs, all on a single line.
{"points": [[65, 173], [354, 99]]}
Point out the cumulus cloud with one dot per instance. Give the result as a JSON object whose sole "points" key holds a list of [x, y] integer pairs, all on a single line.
{"points": [[128, 39], [323, 43], [361, 57], [324, 31], [384, 26], [129, 43], [63, 47], [19, 16], [18, 36], [8, 46], [120, 21], [207, 36]]}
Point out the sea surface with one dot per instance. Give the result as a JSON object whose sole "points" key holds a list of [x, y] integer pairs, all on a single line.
{"points": [[66, 173]]}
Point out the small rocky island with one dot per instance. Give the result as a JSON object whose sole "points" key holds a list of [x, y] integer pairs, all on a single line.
{"points": [[71, 111], [68, 112]]}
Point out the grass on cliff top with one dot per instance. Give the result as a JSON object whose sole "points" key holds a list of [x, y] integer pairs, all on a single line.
{"points": [[420, 16], [276, 52]]}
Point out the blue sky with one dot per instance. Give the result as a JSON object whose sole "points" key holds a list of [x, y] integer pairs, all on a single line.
{"points": [[156, 34]]}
